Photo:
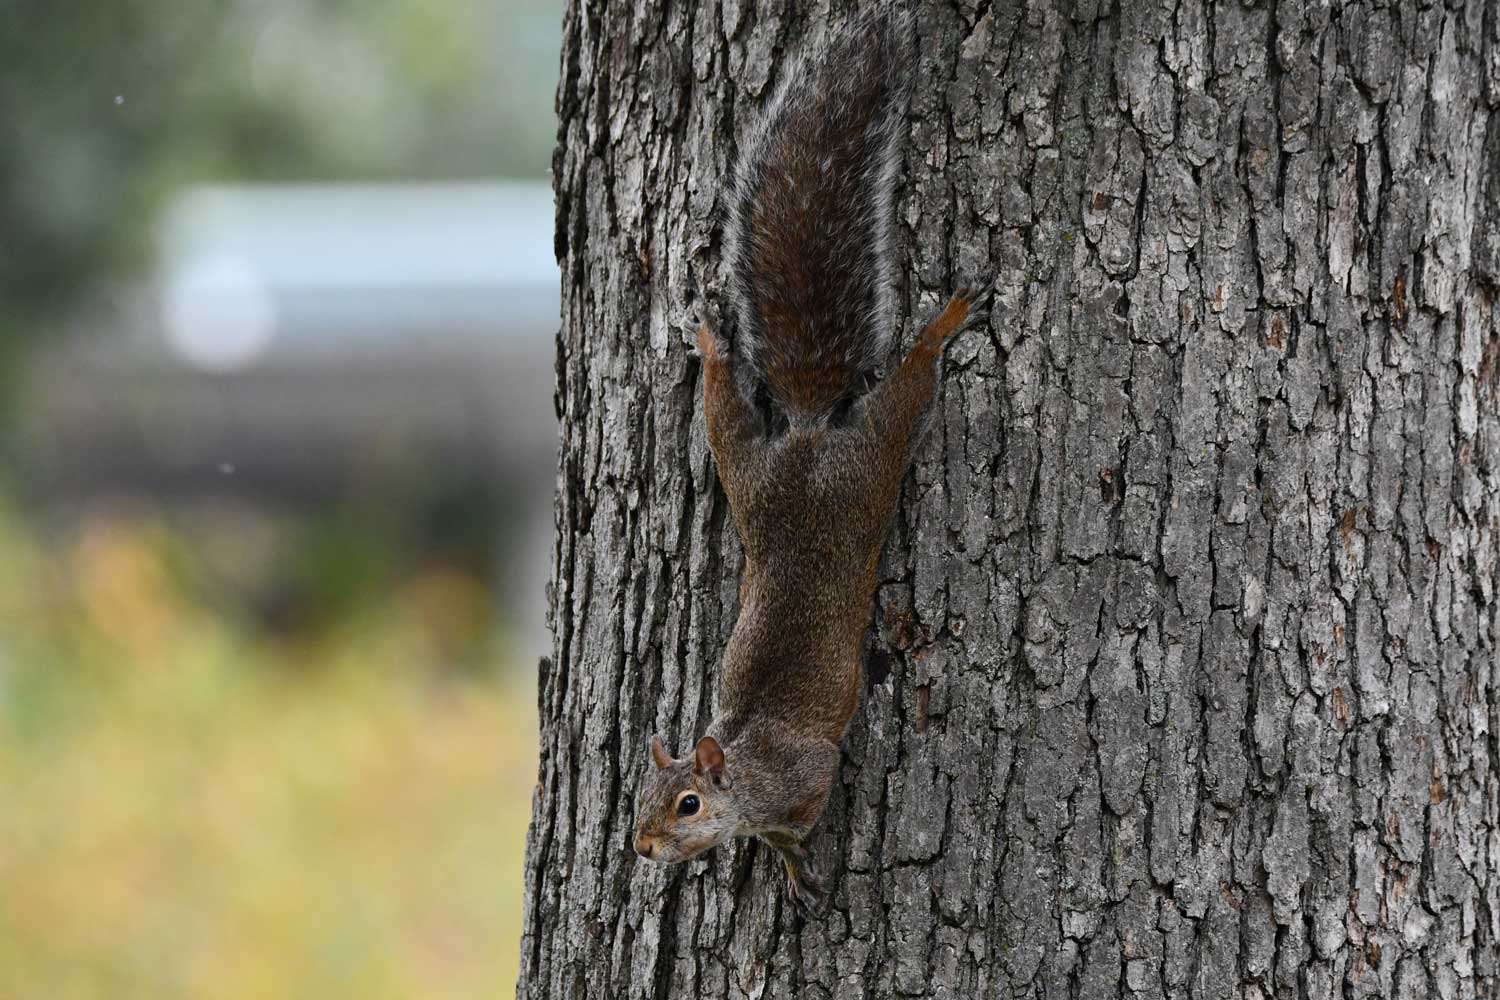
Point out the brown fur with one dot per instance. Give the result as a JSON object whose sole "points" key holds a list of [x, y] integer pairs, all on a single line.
{"points": [[812, 506], [808, 234], [809, 248]]}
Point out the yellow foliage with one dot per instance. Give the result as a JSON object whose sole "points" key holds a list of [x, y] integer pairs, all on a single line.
{"points": [[194, 809]]}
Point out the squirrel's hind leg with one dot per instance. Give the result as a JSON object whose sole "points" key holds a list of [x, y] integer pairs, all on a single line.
{"points": [[896, 406], [966, 308], [733, 426]]}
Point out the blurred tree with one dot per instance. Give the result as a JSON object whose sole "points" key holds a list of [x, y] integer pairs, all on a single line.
{"points": [[1183, 674], [106, 108]]}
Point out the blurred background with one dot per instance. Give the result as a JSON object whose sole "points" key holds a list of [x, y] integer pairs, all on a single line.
{"points": [[277, 298]]}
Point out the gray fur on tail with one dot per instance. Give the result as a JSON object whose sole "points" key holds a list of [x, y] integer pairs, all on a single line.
{"points": [[808, 235]]}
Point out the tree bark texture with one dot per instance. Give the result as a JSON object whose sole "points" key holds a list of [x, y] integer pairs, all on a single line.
{"points": [[1183, 679]]}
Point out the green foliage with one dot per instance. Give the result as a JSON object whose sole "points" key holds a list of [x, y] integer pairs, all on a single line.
{"points": [[106, 108]]}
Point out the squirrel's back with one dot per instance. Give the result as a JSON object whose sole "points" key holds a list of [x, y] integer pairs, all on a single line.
{"points": [[809, 230]]}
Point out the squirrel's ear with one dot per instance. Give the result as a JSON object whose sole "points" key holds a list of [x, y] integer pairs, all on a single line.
{"points": [[659, 753], [708, 759]]}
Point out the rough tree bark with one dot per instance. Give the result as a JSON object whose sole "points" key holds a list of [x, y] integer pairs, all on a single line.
{"points": [[1184, 680]]}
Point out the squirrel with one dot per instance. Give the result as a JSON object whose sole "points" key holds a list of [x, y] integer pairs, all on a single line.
{"points": [[812, 463]]}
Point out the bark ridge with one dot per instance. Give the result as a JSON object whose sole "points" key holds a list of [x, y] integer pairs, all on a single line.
{"points": [[1184, 680]]}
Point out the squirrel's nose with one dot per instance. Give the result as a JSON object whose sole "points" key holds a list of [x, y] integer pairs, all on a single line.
{"points": [[645, 846]]}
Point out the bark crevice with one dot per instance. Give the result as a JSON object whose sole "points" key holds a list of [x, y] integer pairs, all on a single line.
{"points": [[1188, 628]]}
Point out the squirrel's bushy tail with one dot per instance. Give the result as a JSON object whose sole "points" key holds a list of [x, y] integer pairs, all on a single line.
{"points": [[808, 235]]}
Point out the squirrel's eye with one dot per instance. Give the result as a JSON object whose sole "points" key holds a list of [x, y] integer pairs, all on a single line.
{"points": [[688, 806]]}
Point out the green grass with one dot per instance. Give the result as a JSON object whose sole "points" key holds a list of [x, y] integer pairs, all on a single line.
{"points": [[192, 808]]}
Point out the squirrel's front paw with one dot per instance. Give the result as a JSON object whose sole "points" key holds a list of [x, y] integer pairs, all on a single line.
{"points": [[806, 893]]}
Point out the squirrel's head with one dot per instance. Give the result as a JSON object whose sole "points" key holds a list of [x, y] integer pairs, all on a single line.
{"points": [[685, 806]]}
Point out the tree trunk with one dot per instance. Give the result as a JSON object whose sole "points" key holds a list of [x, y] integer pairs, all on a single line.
{"points": [[1183, 678]]}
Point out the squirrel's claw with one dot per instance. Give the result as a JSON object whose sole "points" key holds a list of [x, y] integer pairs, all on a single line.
{"points": [[806, 892], [978, 300], [803, 888], [974, 293], [967, 308]]}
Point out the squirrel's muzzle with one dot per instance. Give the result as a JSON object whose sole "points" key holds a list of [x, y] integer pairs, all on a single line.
{"points": [[645, 846]]}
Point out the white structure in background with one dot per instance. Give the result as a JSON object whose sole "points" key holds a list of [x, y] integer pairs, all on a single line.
{"points": [[218, 313], [298, 337], [252, 272]]}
